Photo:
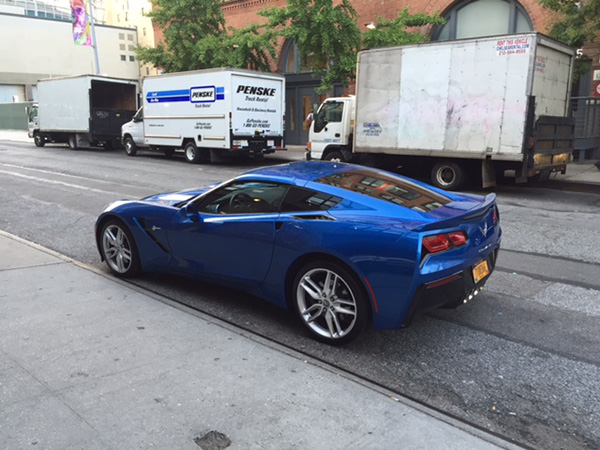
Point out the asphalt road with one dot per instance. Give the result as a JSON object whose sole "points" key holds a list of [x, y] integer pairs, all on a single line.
{"points": [[521, 361]]}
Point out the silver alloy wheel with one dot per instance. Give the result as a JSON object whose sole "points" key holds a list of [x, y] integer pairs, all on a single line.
{"points": [[326, 303], [117, 249]]}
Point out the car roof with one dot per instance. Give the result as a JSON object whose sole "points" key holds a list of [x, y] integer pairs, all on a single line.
{"points": [[300, 171]]}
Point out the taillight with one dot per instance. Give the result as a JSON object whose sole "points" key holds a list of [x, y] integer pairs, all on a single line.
{"points": [[440, 242], [457, 238], [436, 243], [495, 215]]}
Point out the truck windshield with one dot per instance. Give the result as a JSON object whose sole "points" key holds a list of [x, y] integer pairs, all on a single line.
{"points": [[328, 112]]}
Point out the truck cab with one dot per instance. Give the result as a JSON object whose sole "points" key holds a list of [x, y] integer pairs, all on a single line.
{"points": [[132, 132], [331, 132]]}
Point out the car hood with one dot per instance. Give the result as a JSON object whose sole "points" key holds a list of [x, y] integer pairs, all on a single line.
{"points": [[178, 197]]}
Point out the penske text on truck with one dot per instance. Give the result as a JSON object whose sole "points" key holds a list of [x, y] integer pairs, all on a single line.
{"points": [[466, 109], [82, 111], [209, 114]]}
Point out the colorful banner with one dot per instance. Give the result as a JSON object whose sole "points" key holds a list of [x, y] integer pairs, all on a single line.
{"points": [[81, 23]]}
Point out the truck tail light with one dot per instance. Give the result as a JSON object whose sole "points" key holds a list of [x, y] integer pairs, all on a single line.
{"points": [[440, 242]]}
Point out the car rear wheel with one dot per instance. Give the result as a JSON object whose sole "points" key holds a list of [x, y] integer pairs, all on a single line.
{"points": [[329, 302], [130, 147], [119, 249]]}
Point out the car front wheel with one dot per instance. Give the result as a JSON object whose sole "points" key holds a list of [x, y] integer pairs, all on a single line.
{"points": [[119, 249], [329, 302]]}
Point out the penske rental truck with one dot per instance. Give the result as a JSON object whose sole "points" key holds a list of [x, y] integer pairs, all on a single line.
{"points": [[460, 110], [209, 114], [82, 111]]}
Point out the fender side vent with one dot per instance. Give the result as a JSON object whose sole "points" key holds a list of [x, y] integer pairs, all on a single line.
{"points": [[150, 233]]}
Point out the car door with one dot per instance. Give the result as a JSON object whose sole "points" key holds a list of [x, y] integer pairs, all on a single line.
{"points": [[228, 233]]}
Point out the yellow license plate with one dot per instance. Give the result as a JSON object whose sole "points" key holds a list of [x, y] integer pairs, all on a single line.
{"points": [[480, 271]]}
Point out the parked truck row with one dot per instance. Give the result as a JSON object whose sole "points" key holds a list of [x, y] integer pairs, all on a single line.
{"points": [[472, 108], [207, 113], [461, 109]]}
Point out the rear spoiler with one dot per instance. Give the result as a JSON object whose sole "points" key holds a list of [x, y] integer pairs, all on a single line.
{"points": [[478, 211]]}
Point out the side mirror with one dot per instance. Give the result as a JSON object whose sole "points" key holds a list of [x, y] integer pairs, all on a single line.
{"points": [[191, 212]]}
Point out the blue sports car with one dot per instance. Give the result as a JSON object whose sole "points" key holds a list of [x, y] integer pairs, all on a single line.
{"points": [[341, 245]]}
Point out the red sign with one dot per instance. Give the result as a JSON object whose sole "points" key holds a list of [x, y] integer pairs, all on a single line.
{"points": [[596, 88]]}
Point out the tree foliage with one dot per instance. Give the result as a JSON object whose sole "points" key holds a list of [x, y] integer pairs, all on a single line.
{"points": [[388, 33], [195, 37], [577, 23], [325, 31]]}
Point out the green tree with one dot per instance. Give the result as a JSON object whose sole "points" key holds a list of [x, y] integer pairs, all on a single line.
{"points": [[577, 23], [388, 33], [195, 37], [326, 32]]}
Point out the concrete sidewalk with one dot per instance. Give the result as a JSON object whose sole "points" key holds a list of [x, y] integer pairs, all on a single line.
{"points": [[90, 362]]}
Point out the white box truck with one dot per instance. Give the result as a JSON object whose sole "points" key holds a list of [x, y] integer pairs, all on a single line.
{"points": [[461, 110], [209, 114], [83, 111]]}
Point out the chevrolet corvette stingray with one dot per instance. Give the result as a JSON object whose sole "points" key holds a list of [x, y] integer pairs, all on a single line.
{"points": [[341, 245]]}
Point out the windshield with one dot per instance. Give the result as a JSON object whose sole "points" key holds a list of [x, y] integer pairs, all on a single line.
{"points": [[328, 112]]}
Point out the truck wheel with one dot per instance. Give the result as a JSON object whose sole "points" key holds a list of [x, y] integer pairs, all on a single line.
{"points": [[194, 154], [447, 175], [130, 147], [335, 156], [72, 141], [38, 139], [191, 153]]}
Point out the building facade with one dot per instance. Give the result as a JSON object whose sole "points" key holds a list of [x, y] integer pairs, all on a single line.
{"points": [[36, 42], [465, 18]]}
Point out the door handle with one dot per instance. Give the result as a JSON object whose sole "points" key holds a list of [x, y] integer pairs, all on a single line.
{"points": [[278, 225], [337, 134]]}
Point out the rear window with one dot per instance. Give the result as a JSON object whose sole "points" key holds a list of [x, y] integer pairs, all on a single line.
{"points": [[388, 188]]}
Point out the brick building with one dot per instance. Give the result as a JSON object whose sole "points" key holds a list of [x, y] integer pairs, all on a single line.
{"points": [[466, 18]]}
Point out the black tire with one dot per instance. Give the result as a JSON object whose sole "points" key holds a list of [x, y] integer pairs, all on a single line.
{"points": [[72, 141], [119, 249], [448, 175], [335, 156], [192, 155], [195, 155], [345, 301], [39, 140], [130, 147]]}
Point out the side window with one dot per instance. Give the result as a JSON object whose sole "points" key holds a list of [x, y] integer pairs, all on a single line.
{"points": [[243, 197], [328, 113], [300, 199]]}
